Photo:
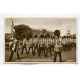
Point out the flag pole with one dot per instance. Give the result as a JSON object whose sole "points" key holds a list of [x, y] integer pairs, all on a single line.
{"points": [[12, 28]]}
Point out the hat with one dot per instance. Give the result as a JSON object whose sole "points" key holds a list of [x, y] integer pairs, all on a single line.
{"points": [[57, 33]]}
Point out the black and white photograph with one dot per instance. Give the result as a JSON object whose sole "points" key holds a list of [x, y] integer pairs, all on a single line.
{"points": [[40, 40]]}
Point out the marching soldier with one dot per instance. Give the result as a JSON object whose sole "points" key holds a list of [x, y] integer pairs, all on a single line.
{"points": [[24, 45], [48, 46], [57, 46], [35, 44], [40, 49], [14, 49], [64, 42], [51, 45], [44, 46], [31, 46]]}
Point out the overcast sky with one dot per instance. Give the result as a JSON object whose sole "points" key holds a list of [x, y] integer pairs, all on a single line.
{"points": [[50, 24]]}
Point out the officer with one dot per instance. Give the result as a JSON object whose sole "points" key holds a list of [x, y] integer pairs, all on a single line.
{"points": [[14, 49]]}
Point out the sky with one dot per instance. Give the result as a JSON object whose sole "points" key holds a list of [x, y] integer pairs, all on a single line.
{"points": [[48, 23]]}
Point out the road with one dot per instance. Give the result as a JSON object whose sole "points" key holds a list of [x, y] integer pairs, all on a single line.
{"points": [[67, 56]]}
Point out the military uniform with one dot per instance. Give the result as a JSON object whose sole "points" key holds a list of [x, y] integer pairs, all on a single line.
{"points": [[24, 46], [48, 46], [41, 47], [31, 46], [57, 50], [14, 49]]}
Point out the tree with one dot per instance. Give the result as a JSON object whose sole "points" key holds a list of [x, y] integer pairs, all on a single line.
{"points": [[22, 30]]}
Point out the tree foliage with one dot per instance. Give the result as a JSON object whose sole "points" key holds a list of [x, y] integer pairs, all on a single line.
{"points": [[22, 30]]}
